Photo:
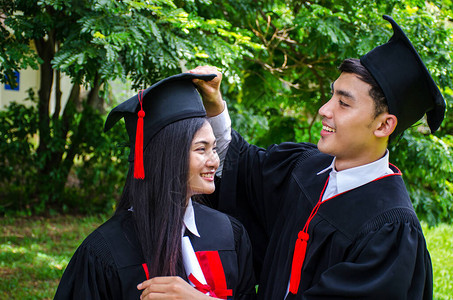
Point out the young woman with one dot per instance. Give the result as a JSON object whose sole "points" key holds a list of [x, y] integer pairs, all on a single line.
{"points": [[157, 229]]}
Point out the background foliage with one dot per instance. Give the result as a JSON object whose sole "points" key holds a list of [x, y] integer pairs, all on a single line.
{"points": [[66, 161], [278, 59]]}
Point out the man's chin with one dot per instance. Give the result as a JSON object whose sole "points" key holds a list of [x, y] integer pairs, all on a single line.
{"points": [[324, 148]]}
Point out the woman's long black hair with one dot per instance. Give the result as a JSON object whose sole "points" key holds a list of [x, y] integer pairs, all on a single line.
{"points": [[159, 200]]}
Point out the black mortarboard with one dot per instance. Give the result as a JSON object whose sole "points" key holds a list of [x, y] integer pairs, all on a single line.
{"points": [[145, 114], [407, 85]]}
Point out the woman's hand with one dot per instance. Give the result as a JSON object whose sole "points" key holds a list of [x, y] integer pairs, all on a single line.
{"points": [[169, 288], [209, 90]]}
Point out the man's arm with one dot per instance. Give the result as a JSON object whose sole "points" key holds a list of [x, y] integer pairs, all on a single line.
{"points": [[216, 110], [210, 90], [221, 125]]}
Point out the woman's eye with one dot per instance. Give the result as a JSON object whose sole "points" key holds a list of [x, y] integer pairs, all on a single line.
{"points": [[202, 149]]}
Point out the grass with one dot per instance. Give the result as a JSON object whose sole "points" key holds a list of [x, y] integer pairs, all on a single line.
{"points": [[34, 252], [440, 245]]}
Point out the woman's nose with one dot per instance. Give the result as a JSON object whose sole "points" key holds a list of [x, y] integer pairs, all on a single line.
{"points": [[213, 160]]}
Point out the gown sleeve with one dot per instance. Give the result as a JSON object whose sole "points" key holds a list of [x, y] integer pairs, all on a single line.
{"points": [[257, 176], [389, 263], [253, 187], [246, 278], [91, 273]]}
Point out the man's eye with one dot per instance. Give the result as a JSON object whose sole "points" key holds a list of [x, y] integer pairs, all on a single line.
{"points": [[342, 103]]}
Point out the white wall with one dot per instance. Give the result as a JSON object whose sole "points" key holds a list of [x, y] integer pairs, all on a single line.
{"points": [[29, 78]]}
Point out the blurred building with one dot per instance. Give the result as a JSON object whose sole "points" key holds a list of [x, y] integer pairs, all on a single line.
{"points": [[30, 79]]}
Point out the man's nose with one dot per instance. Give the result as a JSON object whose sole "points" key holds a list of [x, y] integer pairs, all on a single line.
{"points": [[325, 110]]}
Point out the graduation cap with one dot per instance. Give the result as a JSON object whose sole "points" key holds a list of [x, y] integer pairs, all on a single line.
{"points": [[145, 114], [407, 85]]}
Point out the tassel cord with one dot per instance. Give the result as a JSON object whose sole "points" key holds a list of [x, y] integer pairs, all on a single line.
{"points": [[139, 170], [300, 248]]}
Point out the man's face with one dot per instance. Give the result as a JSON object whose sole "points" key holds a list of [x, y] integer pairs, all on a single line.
{"points": [[348, 122]]}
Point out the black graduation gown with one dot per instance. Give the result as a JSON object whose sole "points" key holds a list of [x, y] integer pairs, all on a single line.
{"points": [[366, 243], [109, 262]]}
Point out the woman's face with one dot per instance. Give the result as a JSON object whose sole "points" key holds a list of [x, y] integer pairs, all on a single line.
{"points": [[203, 162]]}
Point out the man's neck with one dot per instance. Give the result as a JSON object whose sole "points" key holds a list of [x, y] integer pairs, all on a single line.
{"points": [[343, 164]]}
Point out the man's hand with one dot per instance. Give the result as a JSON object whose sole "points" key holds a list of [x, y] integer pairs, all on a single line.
{"points": [[169, 288], [209, 90]]}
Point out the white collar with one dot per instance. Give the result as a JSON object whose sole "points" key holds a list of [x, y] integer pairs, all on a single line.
{"points": [[189, 220], [354, 177]]}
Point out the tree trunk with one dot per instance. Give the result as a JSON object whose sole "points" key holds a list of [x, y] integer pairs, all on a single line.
{"points": [[79, 134], [46, 51], [66, 120], [61, 133], [58, 93]]}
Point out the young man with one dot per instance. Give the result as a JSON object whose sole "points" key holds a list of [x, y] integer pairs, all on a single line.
{"points": [[335, 221]]}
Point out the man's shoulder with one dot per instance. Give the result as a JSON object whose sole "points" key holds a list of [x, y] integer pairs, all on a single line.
{"points": [[370, 207]]}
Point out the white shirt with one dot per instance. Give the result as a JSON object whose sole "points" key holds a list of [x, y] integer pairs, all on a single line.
{"points": [[189, 220], [346, 180], [190, 261]]}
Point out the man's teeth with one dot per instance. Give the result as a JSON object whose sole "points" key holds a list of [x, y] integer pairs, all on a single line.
{"points": [[329, 129]]}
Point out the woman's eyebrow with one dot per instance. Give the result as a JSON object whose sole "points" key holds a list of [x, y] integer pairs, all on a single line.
{"points": [[205, 142]]}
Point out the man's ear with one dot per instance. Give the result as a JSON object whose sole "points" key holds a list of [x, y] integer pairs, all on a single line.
{"points": [[387, 124]]}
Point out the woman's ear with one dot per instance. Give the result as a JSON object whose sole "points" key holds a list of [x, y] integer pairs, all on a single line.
{"points": [[387, 124]]}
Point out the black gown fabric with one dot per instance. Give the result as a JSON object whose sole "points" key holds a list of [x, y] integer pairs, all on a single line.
{"points": [[108, 264], [366, 243]]}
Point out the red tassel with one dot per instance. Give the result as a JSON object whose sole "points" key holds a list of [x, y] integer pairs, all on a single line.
{"points": [[301, 248], [298, 261], [139, 170]]}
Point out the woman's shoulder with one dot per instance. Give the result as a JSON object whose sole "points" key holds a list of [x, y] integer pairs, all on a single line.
{"points": [[95, 248], [114, 242]]}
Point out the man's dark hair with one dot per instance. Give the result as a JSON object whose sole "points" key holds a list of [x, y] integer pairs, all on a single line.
{"points": [[353, 65], [159, 201]]}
